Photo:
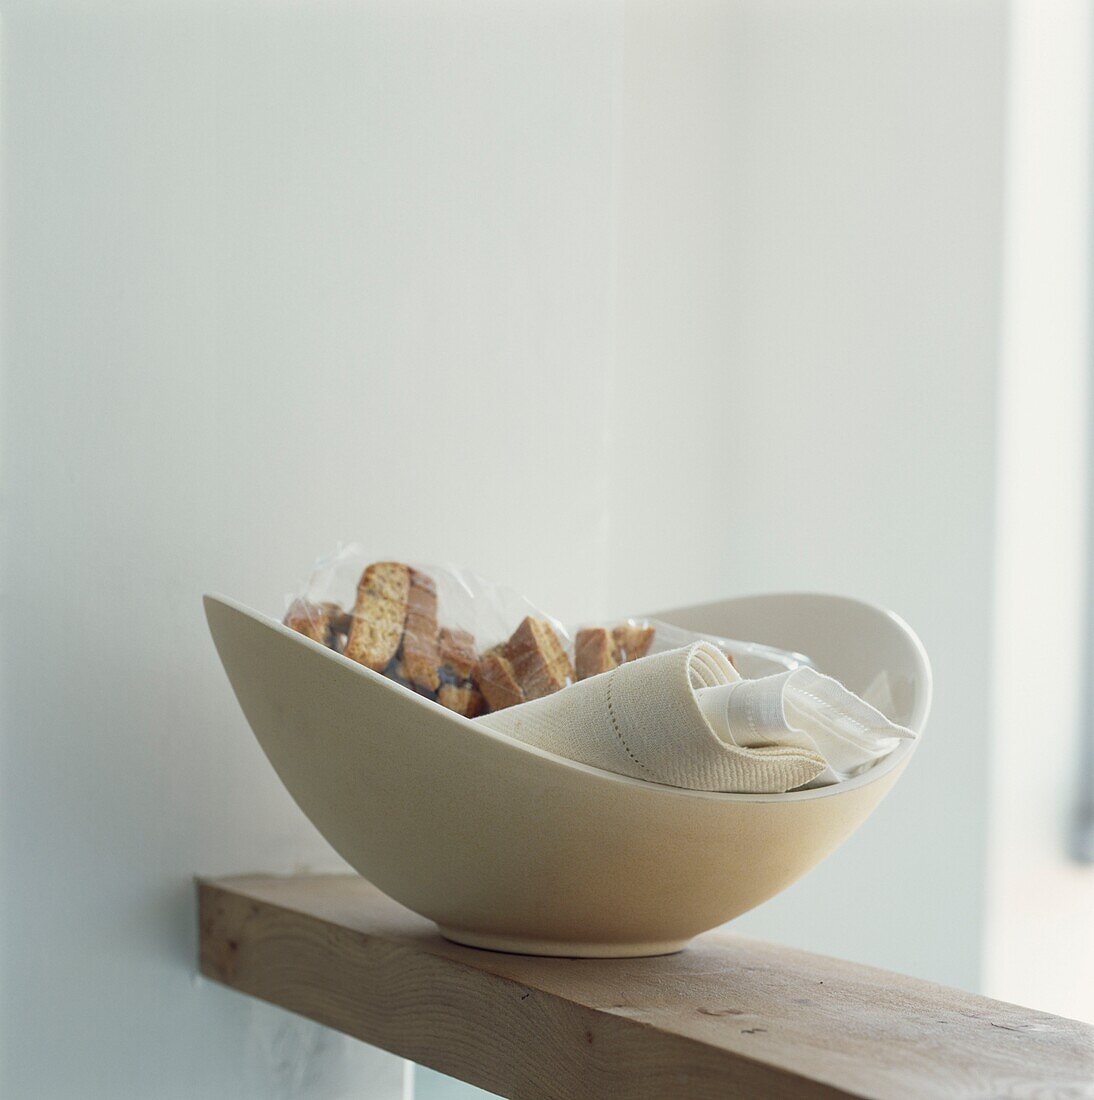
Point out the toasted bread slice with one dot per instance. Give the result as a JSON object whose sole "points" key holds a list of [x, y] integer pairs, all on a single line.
{"points": [[379, 615], [594, 652], [340, 622], [421, 658], [632, 641], [340, 619], [310, 619], [495, 678], [457, 650], [538, 659], [463, 699]]}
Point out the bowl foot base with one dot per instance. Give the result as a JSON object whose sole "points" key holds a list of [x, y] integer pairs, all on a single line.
{"points": [[569, 949]]}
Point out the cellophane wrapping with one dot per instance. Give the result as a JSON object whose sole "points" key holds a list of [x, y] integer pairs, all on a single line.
{"points": [[474, 646]]}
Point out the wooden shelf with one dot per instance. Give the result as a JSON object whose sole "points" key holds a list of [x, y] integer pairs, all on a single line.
{"points": [[729, 1017]]}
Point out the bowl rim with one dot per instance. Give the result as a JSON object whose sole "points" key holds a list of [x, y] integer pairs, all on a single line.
{"points": [[893, 761]]}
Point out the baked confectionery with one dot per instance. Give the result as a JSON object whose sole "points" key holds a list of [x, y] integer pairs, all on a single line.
{"points": [[393, 629], [458, 662], [462, 698], [340, 622], [594, 652], [538, 659], [340, 619], [495, 678], [421, 658], [457, 652], [632, 641], [379, 615], [310, 619]]}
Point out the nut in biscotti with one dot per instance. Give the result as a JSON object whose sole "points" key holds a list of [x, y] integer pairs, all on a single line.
{"points": [[495, 678], [379, 615], [538, 659], [464, 699], [594, 652], [421, 657], [310, 619], [632, 641]]}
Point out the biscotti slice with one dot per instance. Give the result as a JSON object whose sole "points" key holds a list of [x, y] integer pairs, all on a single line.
{"points": [[594, 652], [340, 622], [538, 659], [458, 658], [420, 653], [340, 619], [310, 619], [495, 678], [463, 699], [379, 615], [632, 641]]}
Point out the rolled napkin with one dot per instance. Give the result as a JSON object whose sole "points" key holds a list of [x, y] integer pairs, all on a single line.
{"points": [[807, 710], [686, 718]]}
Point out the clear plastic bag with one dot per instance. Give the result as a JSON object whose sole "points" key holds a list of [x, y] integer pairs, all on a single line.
{"points": [[474, 646], [751, 659]]}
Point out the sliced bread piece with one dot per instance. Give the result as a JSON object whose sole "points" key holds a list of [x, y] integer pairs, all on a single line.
{"points": [[421, 658], [457, 651], [632, 641], [538, 659], [340, 622], [463, 699], [594, 652], [379, 615], [495, 678], [310, 619], [340, 619]]}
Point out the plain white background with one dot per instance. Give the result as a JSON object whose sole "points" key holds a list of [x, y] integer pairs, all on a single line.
{"points": [[809, 250], [627, 305], [1039, 947], [275, 275]]}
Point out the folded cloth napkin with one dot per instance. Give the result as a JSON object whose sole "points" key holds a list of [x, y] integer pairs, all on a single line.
{"points": [[686, 718]]}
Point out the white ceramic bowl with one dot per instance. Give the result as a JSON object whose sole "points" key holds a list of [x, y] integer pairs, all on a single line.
{"points": [[509, 847]]}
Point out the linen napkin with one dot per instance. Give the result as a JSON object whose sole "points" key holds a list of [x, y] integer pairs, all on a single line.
{"points": [[686, 718]]}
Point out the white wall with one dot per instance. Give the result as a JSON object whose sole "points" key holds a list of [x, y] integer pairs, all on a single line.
{"points": [[471, 282], [804, 394], [1039, 947], [275, 275]]}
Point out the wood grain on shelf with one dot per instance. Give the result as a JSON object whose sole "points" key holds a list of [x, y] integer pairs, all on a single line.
{"points": [[729, 1017]]}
